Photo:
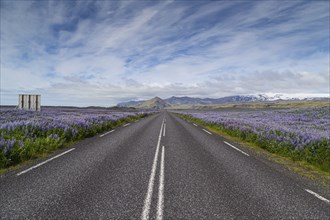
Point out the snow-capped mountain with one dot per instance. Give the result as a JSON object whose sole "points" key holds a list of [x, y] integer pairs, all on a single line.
{"points": [[158, 103]]}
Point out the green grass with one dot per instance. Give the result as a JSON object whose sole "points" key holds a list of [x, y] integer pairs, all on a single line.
{"points": [[316, 171], [43, 147], [262, 105]]}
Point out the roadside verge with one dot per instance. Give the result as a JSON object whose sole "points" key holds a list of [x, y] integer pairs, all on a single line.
{"points": [[300, 167]]}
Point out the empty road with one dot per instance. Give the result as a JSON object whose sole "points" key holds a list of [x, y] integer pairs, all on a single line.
{"points": [[161, 167]]}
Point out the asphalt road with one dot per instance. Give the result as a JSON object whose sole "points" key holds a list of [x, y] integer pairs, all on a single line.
{"points": [[161, 167]]}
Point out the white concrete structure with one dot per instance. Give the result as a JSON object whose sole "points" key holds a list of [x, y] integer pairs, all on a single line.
{"points": [[29, 102]]}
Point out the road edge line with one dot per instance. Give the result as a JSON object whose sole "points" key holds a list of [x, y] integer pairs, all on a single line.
{"points": [[42, 163], [236, 148], [106, 133], [206, 131], [317, 195]]}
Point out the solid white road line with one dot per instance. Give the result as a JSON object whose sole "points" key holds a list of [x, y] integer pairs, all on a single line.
{"points": [[147, 201], [195, 125], [126, 124], [236, 148], [207, 131], [107, 133], [46, 161], [160, 204], [164, 130], [317, 195]]}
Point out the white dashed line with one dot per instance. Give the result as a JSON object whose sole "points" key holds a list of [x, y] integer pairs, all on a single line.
{"points": [[207, 131], [107, 133], [126, 124], [195, 125], [160, 204], [164, 130], [317, 195], [236, 148], [46, 161], [147, 201]]}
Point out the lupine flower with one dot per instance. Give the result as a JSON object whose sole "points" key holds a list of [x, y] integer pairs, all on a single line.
{"points": [[295, 128], [16, 126]]}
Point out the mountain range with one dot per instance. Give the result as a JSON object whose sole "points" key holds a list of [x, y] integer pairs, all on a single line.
{"points": [[172, 102]]}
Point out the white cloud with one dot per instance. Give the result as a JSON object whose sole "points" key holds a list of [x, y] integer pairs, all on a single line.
{"points": [[106, 51]]}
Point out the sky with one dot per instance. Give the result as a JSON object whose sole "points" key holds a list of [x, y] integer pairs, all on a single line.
{"points": [[100, 53]]}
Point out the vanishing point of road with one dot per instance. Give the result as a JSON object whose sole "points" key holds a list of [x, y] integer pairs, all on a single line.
{"points": [[160, 167]]}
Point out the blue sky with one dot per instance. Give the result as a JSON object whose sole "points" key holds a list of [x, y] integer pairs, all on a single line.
{"points": [[103, 52]]}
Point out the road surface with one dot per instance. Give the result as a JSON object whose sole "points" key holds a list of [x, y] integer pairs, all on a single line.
{"points": [[160, 167]]}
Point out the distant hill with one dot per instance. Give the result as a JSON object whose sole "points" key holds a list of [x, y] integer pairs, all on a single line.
{"points": [[208, 101], [154, 103], [172, 102], [129, 103]]}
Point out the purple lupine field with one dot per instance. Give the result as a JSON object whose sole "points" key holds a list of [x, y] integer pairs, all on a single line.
{"points": [[26, 133], [295, 130]]}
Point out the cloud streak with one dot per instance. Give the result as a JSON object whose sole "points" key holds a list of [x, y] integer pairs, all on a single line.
{"points": [[104, 52]]}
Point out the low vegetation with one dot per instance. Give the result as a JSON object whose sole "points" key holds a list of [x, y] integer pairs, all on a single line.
{"points": [[281, 104], [25, 135], [299, 134]]}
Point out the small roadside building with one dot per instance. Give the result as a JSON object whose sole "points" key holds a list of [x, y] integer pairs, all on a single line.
{"points": [[29, 102]]}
